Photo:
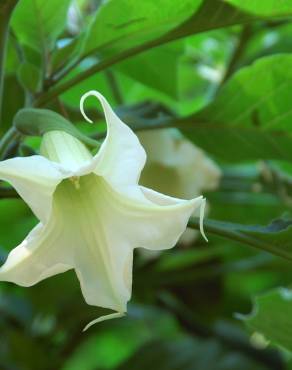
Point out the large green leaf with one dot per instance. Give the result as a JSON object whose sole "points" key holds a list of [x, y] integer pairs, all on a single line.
{"points": [[130, 22], [154, 68], [264, 8], [152, 19], [149, 25], [38, 23], [271, 317], [251, 116]]}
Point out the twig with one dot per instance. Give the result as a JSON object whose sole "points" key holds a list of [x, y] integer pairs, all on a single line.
{"points": [[234, 232], [10, 135], [243, 41], [113, 83]]}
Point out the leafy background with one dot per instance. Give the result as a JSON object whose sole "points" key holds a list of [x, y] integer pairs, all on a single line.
{"points": [[221, 72]]}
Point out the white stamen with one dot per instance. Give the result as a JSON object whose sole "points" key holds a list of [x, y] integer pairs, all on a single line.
{"points": [[75, 181]]}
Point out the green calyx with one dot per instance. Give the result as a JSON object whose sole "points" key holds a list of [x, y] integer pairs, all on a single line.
{"points": [[36, 122]]}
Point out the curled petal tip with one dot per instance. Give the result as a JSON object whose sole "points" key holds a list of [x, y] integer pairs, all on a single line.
{"points": [[82, 100], [202, 212], [115, 315]]}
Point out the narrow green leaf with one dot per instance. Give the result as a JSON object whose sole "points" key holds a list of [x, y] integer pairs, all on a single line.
{"points": [[29, 76]]}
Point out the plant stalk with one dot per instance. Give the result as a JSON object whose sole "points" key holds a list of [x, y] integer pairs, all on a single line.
{"points": [[235, 232], [5, 14]]}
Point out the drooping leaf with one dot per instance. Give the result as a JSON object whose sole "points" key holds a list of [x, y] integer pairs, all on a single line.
{"points": [[251, 116], [271, 316]]}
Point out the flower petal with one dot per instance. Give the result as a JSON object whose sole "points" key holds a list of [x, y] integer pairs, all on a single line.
{"points": [[111, 226], [160, 225], [102, 278], [65, 149], [102, 262], [35, 179], [110, 316], [175, 165], [38, 257], [121, 157]]}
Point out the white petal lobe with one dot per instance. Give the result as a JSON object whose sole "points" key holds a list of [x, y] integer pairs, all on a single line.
{"points": [[38, 257], [35, 179], [121, 156]]}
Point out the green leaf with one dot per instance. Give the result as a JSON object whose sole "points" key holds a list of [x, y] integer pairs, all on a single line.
{"points": [[67, 55], [157, 19], [13, 100], [251, 116], [154, 68], [141, 21], [38, 23], [12, 58], [116, 41], [29, 76], [271, 317], [274, 238], [264, 8]]}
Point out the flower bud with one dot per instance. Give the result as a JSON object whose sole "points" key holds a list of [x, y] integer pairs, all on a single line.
{"points": [[36, 122]]}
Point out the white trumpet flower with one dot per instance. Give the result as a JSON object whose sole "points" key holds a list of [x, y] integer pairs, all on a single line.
{"points": [[92, 213], [175, 166]]}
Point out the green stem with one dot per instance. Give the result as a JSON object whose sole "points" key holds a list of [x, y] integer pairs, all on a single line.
{"points": [[240, 48], [113, 83], [52, 94], [236, 232], [5, 13], [7, 139], [191, 26]]}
